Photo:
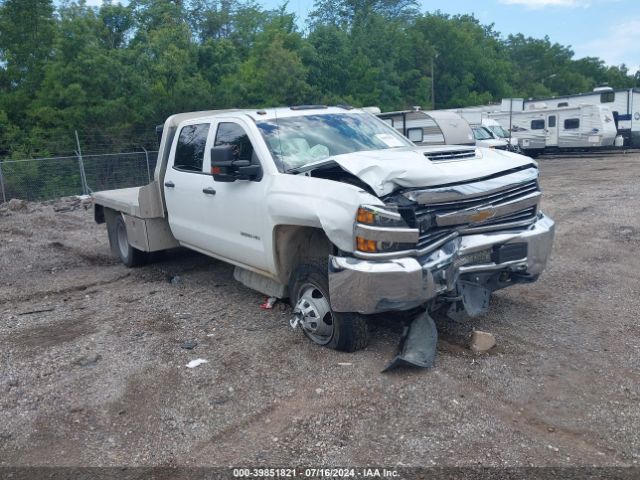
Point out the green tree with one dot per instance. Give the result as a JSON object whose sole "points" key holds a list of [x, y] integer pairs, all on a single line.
{"points": [[87, 83], [113, 72], [27, 29], [347, 13], [471, 63], [274, 74]]}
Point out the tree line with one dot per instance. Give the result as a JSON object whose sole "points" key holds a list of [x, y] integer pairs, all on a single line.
{"points": [[113, 72]]}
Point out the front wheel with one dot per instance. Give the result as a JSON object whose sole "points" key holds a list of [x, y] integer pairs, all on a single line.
{"points": [[309, 290]]}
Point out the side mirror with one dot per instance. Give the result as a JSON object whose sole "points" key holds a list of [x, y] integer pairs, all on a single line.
{"points": [[225, 167]]}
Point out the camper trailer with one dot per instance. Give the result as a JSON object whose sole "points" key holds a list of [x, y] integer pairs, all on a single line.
{"points": [[541, 129], [431, 127], [623, 104]]}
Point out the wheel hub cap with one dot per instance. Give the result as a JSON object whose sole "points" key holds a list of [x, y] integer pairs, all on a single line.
{"points": [[313, 313]]}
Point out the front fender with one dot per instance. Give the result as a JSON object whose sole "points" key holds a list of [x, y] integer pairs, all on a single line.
{"points": [[320, 203]]}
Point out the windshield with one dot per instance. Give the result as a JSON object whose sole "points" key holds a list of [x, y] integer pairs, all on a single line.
{"points": [[298, 141], [481, 134], [499, 131]]}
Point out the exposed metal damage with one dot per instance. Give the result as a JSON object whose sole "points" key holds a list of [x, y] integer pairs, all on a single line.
{"points": [[462, 242]]}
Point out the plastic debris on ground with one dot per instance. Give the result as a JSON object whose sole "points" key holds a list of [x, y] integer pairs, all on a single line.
{"points": [[269, 302], [197, 362]]}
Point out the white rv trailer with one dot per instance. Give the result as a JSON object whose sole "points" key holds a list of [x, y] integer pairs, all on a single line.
{"points": [[436, 127], [624, 105], [530, 145], [544, 130]]}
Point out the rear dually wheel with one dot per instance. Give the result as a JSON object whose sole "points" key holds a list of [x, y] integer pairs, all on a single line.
{"points": [[129, 255]]}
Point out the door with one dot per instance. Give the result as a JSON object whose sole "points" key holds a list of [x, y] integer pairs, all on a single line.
{"points": [[241, 230], [188, 186], [552, 130]]}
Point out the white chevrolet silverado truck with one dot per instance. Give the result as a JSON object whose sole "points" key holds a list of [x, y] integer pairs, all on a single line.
{"points": [[333, 209]]}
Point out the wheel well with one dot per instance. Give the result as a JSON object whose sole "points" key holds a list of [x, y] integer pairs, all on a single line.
{"points": [[294, 244]]}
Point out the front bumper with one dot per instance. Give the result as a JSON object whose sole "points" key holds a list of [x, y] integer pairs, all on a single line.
{"points": [[368, 287]]}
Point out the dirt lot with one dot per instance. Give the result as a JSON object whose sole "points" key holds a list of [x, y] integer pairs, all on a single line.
{"points": [[93, 372]]}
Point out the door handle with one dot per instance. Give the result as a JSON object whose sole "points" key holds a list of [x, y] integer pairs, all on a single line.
{"points": [[169, 184], [208, 191]]}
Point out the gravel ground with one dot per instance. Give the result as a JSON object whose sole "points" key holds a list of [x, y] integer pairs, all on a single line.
{"points": [[93, 369]]}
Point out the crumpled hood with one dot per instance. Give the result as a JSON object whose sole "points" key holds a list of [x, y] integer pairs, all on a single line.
{"points": [[387, 170]]}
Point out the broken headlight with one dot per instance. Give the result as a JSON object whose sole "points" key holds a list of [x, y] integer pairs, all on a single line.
{"points": [[383, 230]]}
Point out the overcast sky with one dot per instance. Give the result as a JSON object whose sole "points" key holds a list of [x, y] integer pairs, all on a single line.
{"points": [[609, 29]]}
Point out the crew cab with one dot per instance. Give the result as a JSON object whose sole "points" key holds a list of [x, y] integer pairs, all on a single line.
{"points": [[336, 211]]}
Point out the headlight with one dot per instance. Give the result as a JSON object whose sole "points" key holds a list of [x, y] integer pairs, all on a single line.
{"points": [[381, 217], [383, 230]]}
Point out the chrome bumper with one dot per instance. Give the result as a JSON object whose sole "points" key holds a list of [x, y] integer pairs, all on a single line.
{"points": [[367, 287]]}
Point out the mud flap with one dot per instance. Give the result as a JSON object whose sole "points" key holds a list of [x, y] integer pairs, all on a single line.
{"points": [[418, 344]]}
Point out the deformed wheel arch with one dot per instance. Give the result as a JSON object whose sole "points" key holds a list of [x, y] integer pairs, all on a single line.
{"points": [[293, 245]]}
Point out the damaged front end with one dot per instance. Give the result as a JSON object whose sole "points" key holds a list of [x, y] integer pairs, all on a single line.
{"points": [[447, 247]]}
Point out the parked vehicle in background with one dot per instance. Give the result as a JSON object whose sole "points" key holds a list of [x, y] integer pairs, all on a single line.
{"points": [[335, 210], [495, 128], [541, 129], [624, 105], [482, 127], [436, 127], [484, 138], [499, 132]]}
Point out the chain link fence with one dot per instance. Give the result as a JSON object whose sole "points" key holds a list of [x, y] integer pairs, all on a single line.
{"points": [[53, 177]]}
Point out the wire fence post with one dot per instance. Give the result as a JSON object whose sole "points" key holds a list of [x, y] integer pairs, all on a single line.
{"points": [[83, 177], [4, 195], [146, 154]]}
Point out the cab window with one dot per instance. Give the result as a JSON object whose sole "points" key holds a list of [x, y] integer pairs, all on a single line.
{"points": [[234, 135], [190, 148]]}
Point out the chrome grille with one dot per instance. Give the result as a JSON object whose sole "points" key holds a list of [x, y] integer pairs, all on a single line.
{"points": [[430, 233], [494, 199]]}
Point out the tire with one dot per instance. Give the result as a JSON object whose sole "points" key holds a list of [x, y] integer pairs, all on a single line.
{"points": [[309, 289], [130, 256]]}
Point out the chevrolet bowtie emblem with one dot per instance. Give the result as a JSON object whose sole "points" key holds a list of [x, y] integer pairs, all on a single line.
{"points": [[482, 215]]}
